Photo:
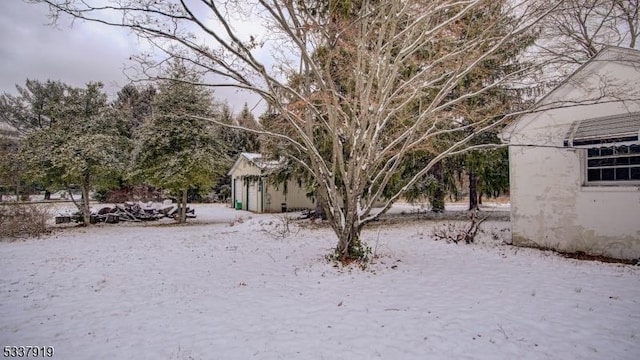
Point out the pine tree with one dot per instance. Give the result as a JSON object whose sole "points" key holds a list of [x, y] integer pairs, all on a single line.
{"points": [[134, 105], [174, 150], [11, 167], [236, 141], [35, 107], [495, 102], [239, 141], [81, 148]]}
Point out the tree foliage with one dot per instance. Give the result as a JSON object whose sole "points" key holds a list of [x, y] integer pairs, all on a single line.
{"points": [[238, 140], [173, 149], [134, 104], [11, 168], [35, 107], [82, 147]]}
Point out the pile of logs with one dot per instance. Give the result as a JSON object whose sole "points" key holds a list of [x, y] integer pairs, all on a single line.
{"points": [[129, 211]]}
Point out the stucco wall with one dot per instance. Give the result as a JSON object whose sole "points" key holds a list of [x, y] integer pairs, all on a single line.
{"points": [[550, 205]]}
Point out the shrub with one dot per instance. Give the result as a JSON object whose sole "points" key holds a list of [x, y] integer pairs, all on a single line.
{"points": [[23, 220], [280, 228], [460, 232]]}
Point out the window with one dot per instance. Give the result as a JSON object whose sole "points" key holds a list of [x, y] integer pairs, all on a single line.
{"points": [[612, 146], [613, 165]]}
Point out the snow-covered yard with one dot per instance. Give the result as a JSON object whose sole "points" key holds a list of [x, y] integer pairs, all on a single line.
{"points": [[212, 290]]}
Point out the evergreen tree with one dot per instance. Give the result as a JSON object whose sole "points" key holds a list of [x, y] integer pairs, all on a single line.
{"points": [[495, 102], [81, 148], [239, 141], [236, 141], [35, 107], [175, 150], [134, 104], [11, 167]]}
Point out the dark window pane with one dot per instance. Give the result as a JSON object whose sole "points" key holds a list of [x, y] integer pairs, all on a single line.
{"points": [[634, 160], [605, 151], [594, 163], [593, 175], [635, 173], [607, 162], [607, 175], [622, 174], [593, 152], [622, 161], [634, 149]]}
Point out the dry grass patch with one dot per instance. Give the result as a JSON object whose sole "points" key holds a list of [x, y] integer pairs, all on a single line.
{"points": [[23, 220]]}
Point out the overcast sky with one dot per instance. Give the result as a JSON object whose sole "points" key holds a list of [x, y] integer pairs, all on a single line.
{"points": [[30, 48]]}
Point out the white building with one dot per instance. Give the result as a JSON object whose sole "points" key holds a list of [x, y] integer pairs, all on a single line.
{"points": [[252, 191], [575, 165]]}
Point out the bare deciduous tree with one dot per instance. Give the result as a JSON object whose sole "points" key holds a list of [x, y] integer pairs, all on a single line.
{"points": [[378, 79], [579, 29]]}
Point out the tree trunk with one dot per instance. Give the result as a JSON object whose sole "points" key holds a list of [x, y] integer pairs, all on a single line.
{"points": [[86, 211], [47, 195], [320, 213], [473, 190], [437, 199], [350, 247], [183, 207], [437, 194], [347, 226]]}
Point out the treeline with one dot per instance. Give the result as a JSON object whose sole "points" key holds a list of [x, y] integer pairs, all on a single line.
{"points": [[59, 137]]}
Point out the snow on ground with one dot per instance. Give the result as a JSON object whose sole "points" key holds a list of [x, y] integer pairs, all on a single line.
{"points": [[224, 288], [408, 208]]}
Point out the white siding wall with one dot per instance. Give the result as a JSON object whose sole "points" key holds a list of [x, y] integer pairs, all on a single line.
{"points": [[239, 183], [273, 196], [295, 197], [237, 186], [253, 200]]}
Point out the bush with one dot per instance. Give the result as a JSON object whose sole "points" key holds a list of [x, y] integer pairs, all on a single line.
{"points": [[100, 195], [460, 232], [281, 228], [23, 220]]}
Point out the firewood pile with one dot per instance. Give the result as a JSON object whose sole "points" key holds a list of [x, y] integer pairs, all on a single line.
{"points": [[128, 211]]}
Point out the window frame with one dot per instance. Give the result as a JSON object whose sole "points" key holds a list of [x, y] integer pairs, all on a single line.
{"points": [[585, 165]]}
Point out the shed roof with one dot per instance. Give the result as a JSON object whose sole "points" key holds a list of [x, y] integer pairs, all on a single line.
{"points": [[257, 160], [604, 130]]}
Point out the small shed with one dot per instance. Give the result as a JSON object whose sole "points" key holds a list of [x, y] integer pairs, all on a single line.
{"points": [[251, 189], [575, 163]]}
